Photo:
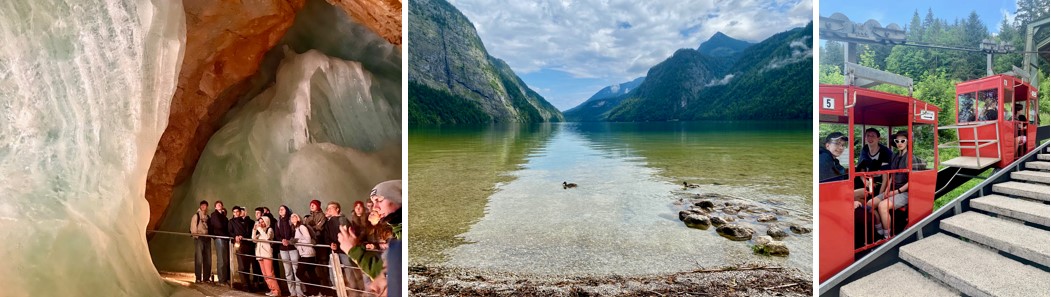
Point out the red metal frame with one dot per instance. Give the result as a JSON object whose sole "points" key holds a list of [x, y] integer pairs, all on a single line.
{"points": [[858, 106], [1003, 84]]}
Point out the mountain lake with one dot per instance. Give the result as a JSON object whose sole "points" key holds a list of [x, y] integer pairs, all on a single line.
{"points": [[491, 198]]}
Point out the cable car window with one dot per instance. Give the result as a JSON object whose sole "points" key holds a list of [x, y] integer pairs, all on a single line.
{"points": [[965, 103], [833, 155], [923, 147], [987, 105], [1032, 111], [1009, 111]]}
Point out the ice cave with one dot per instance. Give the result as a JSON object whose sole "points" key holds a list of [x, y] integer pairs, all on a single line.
{"points": [[117, 116]]}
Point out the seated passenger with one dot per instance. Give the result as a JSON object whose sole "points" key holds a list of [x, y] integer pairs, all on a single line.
{"points": [[1020, 132], [873, 157], [896, 185], [829, 168]]}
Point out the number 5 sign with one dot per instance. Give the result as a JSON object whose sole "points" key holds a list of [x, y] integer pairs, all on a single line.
{"points": [[828, 103]]}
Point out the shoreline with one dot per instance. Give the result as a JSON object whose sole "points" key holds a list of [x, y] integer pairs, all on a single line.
{"points": [[741, 280]]}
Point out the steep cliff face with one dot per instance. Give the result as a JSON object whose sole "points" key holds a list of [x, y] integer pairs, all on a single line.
{"points": [[448, 56], [225, 45]]}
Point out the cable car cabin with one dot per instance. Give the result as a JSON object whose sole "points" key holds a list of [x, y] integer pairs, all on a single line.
{"points": [[995, 122], [873, 125]]}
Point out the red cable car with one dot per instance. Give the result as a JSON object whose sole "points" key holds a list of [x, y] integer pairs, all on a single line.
{"points": [[852, 110], [988, 122]]}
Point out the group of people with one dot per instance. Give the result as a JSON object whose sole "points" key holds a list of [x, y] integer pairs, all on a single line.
{"points": [[365, 244], [879, 195]]}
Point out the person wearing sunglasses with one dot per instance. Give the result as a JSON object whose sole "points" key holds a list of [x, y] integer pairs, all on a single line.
{"points": [[829, 168], [896, 185]]}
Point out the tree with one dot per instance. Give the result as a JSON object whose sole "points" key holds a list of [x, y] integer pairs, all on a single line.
{"points": [[915, 28], [832, 53]]}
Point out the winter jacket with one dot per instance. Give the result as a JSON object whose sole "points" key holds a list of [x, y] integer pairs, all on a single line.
{"points": [[241, 227], [304, 235], [218, 224], [263, 249], [330, 233], [199, 223], [316, 221], [360, 225], [284, 231], [829, 168]]}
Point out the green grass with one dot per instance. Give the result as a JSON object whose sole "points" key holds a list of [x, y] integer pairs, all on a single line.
{"points": [[945, 199]]}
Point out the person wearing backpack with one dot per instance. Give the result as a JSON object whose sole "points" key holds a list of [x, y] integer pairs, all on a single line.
{"points": [[202, 245]]}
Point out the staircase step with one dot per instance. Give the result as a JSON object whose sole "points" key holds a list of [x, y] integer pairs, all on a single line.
{"points": [[1045, 157], [1025, 210], [897, 280], [1031, 191], [973, 270], [1013, 238], [1032, 176], [1037, 165]]}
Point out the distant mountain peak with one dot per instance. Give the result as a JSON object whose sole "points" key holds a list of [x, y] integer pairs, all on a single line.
{"points": [[721, 45]]}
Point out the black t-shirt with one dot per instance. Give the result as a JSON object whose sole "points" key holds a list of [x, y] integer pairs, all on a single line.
{"points": [[1022, 126]]}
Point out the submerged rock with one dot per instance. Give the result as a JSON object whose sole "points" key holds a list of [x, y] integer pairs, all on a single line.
{"points": [[772, 248], [697, 220], [763, 240], [799, 229], [705, 204], [735, 232], [719, 221], [777, 248], [776, 231]]}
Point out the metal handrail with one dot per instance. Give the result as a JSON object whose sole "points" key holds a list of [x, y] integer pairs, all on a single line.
{"points": [[338, 286], [974, 131]]}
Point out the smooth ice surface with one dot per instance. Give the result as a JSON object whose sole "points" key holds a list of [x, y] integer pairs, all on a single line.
{"points": [[326, 128], [84, 95]]}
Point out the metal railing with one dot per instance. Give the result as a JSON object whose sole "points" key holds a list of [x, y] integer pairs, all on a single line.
{"points": [[978, 143], [338, 286]]}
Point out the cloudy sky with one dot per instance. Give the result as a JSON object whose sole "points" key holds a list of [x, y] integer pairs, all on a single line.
{"points": [[567, 50]]}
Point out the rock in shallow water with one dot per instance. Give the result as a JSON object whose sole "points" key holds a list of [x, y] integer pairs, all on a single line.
{"points": [[763, 240], [766, 218], [697, 220], [735, 232], [772, 248], [799, 229], [718, 221], [704, 204], [776, 231]]}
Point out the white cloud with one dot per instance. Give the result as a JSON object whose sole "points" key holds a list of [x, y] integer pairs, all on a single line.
{"points": [[800, 51], [618, 40], [718, 82]]}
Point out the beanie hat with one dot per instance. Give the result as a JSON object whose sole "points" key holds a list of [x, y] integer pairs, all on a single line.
{"points": [[390, 190]]}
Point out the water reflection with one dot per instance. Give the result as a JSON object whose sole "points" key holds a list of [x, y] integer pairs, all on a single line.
{"points": [[622, 218]]}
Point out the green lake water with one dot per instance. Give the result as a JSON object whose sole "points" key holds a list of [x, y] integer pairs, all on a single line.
{"points": [[490, 197]]}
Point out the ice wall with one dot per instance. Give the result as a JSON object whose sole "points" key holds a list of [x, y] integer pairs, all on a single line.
{"points": [[84, 96], [325, 123]]}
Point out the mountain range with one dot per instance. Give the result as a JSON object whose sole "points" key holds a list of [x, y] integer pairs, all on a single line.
{"points": [[596, 108], [724, 79]]}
